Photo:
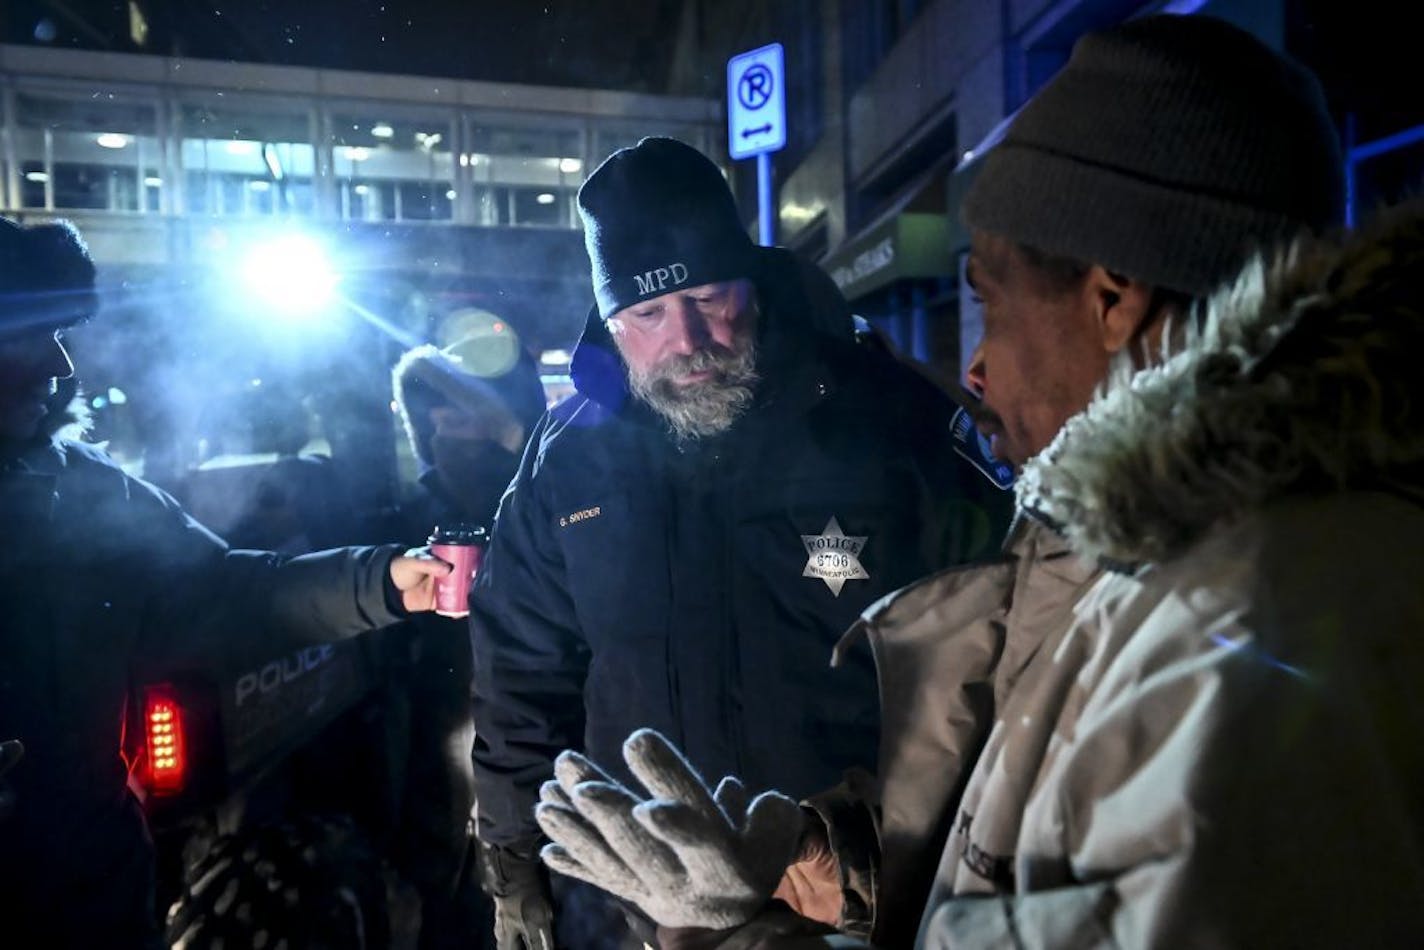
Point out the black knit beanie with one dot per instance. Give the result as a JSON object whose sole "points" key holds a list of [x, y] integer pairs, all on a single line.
{"points": [[1168, 148], [46, 276], [658, 217]]}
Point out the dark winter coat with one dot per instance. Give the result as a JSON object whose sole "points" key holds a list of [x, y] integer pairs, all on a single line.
{"points": [[634, 583], [426, 718], [101, 573], [428, 707]]}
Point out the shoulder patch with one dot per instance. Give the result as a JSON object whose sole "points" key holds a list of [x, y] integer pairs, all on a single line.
{"points": [[970, 443]]}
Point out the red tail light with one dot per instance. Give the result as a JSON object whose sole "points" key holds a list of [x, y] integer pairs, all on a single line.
{"points": [[163, 732]]}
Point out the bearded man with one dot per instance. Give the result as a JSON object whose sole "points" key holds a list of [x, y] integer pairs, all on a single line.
{"points": [[688, 536]]}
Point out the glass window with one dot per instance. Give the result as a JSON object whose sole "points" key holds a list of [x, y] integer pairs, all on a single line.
{"points": [[541, 206], [609, 139], [524, 177], [491, 206], [96, 153], [393, 168], [247, 161]]}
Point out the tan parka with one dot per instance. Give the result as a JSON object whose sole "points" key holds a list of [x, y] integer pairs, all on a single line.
{"points": [[1217, 738]]}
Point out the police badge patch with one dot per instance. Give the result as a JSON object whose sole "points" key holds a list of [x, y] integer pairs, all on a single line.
{"points": [[970, 443], [834, 557]]}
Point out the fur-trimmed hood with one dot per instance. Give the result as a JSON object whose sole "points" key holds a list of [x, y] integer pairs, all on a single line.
{"points": [[426, 376], [69, 416], [1302, 376]]}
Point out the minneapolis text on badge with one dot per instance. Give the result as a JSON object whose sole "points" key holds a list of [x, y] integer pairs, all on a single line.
{"points": [[834, 557]]}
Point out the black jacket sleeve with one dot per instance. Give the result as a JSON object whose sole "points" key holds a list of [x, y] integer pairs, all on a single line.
{"points": [[964, 514], [530, 663], [204, 593]]}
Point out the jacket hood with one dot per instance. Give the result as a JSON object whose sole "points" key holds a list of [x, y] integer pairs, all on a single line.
{"points": [[67, 418], [69, 415], [426, 376], [1301, 376]]}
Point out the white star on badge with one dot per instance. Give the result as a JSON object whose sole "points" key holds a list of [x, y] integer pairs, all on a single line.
{"points": [[834, 557]]}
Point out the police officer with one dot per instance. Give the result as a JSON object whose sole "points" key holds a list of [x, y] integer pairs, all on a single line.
{"points": [[687, 537], [99, 569]]}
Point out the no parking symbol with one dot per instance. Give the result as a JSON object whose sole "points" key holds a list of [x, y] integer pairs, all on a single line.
{"points": [[756, 102]]}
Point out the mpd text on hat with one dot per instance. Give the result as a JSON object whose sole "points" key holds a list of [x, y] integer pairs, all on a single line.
{"points": [[660, 216], [655, 281]]}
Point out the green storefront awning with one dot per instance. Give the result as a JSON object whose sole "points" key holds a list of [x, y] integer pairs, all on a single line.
{"points": [[908, 245]]}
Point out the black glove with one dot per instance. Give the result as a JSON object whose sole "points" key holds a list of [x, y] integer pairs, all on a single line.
{"points": [[523, 907], [11, 751]]}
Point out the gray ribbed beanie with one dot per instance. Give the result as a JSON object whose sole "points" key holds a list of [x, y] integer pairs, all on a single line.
{"points": [[1168, 148]]}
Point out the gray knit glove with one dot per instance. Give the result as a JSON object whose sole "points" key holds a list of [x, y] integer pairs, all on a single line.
{"points": [[684, 856]]}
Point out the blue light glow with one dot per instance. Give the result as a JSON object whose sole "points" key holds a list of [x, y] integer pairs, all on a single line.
{"points": [[1246, 644], [291, 273]]}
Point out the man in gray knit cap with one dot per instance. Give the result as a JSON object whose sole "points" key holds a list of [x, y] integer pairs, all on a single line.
{"points": [[1168, 718], [1135, 182]]}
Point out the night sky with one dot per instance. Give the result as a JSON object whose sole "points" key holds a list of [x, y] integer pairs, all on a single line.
{"points": [[1360, 48], [619, 44]]}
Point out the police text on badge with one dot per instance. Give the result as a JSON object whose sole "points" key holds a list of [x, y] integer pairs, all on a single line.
{"points": [[834, 557]]}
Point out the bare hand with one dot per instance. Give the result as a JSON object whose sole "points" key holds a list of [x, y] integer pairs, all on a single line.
{"points": [[414, 574], [811, 885]]}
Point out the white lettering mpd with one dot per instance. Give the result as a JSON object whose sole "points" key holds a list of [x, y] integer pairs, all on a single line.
{"points": [[657, 280]]}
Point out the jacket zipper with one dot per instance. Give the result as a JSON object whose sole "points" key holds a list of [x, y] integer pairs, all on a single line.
{"points": [[735, 724], [670, 646]]}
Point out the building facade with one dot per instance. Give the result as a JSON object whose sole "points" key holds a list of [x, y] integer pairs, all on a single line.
{"points": [[903, 93], [443, 207], [150, 153], [923, 84]]}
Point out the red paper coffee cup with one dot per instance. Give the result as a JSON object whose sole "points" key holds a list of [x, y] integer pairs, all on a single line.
{"points": [[462, 546]]}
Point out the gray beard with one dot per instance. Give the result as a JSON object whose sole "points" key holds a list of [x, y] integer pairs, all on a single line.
{"points": [[702, 409]]}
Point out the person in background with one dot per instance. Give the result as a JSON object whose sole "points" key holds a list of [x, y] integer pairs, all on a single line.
{"points": [[99, 569], [736, 479], [1196, 721], [467, 410], [299, 502]]}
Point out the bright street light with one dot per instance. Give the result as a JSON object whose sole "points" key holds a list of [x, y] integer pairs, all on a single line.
{"points": [[291, 273]]}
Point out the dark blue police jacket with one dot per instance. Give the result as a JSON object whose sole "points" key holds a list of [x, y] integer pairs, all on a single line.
{"points": [[699, 589]]}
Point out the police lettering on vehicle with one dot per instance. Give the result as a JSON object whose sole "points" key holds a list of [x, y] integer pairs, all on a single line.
{"points": [[279, 672], [834, 557], [656, 280]]}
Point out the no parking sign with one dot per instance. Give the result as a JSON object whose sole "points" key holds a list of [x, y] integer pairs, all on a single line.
{"points": [[756, 102]]}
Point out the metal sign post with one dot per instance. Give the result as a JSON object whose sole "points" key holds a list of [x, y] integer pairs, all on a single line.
{"points": [[756, 121]]}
